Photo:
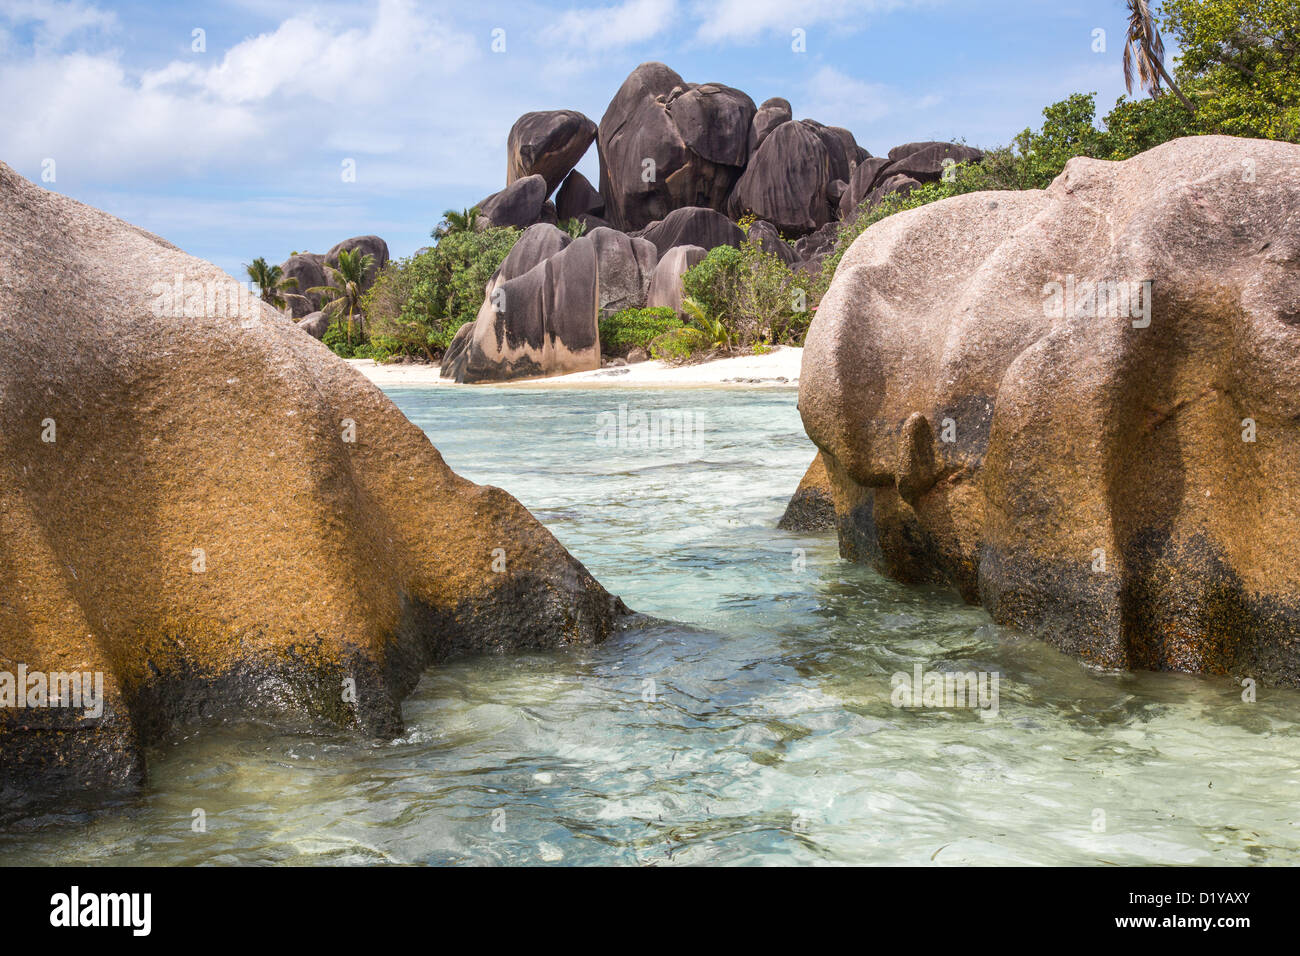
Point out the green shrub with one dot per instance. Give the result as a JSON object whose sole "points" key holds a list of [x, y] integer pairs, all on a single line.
{"points": [[678, 345], [417, 305], [754, 294], [635, 328]]}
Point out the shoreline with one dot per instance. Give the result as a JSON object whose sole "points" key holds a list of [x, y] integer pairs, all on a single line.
{"points": [[778, 368]]}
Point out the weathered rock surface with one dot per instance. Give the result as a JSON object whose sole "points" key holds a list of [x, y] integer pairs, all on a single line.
{"points": [[766, 237], [785, 182], [543, 322], [811, 507], [770, 115], [184, 510], [927, 165], [368, 246], [537, 244], [578, 197], [519, 204], [666, 284], [626, 265], [665, 144], [692, 226], [315, 324], [549, 144], [863, 179], [309, 271], [993, 423]]}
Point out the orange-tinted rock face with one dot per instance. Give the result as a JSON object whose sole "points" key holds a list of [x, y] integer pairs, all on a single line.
{"points": [[1081, 406], [202, 504]]}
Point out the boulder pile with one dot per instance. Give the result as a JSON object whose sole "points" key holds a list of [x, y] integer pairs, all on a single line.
{"points": [[680, 165]]}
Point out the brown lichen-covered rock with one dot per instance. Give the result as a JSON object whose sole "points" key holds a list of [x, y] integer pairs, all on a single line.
{"points": [[206, 507], [665, 144], [811, 507], [547, 143], [1080, 406]]}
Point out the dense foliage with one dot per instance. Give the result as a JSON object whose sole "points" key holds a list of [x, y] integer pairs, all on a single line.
{"points": [[418, 304], [635, 329]]}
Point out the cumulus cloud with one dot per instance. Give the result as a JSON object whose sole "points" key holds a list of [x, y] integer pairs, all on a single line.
{"points": [[310, 83]]}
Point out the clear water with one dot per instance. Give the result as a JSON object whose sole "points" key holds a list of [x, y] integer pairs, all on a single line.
{"points": [[770, 736]]}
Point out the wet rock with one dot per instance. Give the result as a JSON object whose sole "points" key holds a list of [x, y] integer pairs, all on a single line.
{"points": [[224, 519], [1057, 421], [811, 508]]}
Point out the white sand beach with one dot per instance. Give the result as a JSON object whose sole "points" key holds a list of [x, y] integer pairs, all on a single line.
{"points": [[776, 369]]}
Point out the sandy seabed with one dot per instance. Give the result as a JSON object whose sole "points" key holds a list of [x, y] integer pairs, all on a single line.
{"points": [[776, 369]]}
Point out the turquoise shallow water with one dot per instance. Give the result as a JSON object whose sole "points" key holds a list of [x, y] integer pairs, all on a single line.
{"points": [[769, 735]]}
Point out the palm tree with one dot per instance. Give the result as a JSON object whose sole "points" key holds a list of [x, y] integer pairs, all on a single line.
{"points": [[271, 281], [712, 333], [452, 221], [1143, 44], [345, 291]]}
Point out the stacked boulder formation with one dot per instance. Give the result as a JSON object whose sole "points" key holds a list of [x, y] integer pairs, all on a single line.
{"points": [[680, 165], [205, 513], [1079, 406], [311, 272]]}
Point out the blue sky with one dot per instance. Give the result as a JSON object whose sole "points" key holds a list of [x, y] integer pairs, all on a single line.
{"points": [[237, 149]]}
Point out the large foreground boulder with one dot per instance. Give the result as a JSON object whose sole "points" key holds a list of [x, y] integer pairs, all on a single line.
{"points": [[204, 509], [1081, 406], [665, 143], [548, 143]]}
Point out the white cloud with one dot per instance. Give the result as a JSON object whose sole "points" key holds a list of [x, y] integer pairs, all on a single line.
{"points": [[54, 21], [726, 20], [309, 86], [605, 28], [837, 99]]}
